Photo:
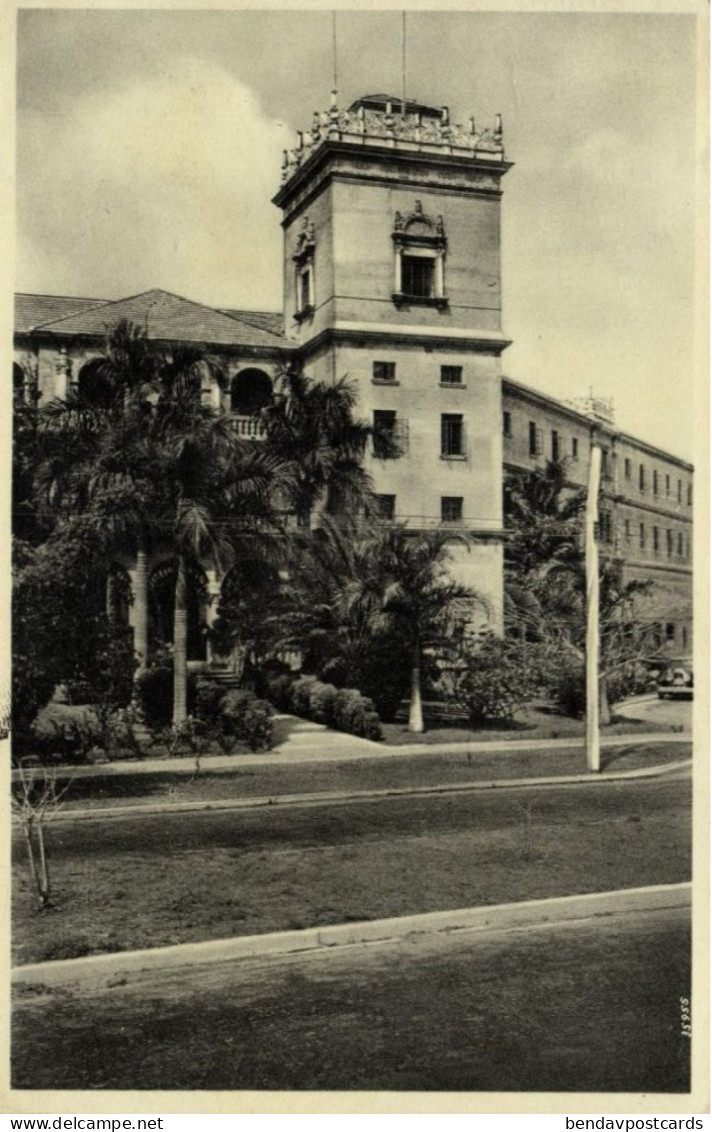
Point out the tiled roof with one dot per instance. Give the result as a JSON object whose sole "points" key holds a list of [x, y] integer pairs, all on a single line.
{"points": [[33, 310], [273, 321], [166, 317]]}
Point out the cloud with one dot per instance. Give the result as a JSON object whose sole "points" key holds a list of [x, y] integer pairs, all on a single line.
{"points": [[166, 182]]}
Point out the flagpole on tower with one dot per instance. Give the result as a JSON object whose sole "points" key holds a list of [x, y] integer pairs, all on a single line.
{"points": [[403, 42], [333, 37]]}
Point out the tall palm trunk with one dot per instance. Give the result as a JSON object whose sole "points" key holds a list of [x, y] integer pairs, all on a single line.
{"points": [[111, 598], [180, 645], [604, 707], [415, 715], [141, 610]]}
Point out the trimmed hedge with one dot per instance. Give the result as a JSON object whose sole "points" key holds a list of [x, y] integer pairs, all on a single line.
{"points": [[235, 713], [344, 709]]}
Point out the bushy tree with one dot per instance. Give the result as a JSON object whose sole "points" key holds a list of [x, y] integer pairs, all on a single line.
{"points": [[60, 630], [545, 588]]}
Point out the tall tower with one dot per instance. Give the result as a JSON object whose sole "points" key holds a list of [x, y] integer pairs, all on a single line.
{"points": [[392, 277]]}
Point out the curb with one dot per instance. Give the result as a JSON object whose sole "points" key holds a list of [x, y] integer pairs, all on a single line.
{"points": [[496, 917], [278, 757], [336, 798]]}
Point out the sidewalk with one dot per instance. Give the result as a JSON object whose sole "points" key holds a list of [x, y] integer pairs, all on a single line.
{"points": [[309, 742], [518, 915]]}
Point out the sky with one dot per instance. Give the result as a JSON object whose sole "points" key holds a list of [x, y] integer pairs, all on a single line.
{"points": [[149, 145]]}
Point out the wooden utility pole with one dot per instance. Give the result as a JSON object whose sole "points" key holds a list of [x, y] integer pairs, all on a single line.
{"points": [[593, 746]]}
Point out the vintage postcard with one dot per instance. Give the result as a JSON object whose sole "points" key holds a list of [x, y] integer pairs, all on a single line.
{"points": [[358, 502]]}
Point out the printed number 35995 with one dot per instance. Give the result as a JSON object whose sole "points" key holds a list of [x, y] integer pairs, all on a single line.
{"points": [[685, 1018]]}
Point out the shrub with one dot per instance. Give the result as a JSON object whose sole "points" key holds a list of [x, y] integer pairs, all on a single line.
{"points": [[233, 709], [370, 726], [64, 739], [208, 699], [154, 689], [301, 691], [342, 708], [384, 673], [278, 689], [321, 702], [494, 681], [570, 691], [349, 710], [257, 726]]}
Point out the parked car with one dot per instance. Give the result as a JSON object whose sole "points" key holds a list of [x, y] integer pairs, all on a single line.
{"points": [[676, 681]]}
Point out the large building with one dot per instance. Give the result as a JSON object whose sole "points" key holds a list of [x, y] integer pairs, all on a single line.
{"points": [[391, 219]]}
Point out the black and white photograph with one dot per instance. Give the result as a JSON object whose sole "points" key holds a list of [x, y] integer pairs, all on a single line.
{"points": [[359, 423]]}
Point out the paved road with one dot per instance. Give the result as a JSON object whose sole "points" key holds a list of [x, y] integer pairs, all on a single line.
{"points": [[668, 713], [591, 1006]]}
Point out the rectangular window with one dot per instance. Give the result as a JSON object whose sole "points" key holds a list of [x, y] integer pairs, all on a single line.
{"points": [[689, 495], [386, 507], [667, 485], [384, 371], [384, 434], [669, 543], [669, 631], [417, 276], [451, 508], [679, 545], [554, 445], [655, 482], [641, 478], [605, 527], [451, 375], [684, 637], [535, 440], [305, 298], [574, 448], [626, 530], [656, 540], [628, 468], [452, 439], [642, 536], [507, 423], [679, 491]]}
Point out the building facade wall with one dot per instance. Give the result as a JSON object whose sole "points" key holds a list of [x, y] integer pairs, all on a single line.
{"points": [[646, 493]]}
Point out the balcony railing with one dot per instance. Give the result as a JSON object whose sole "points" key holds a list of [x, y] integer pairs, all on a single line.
{"points": [[247, 428]]}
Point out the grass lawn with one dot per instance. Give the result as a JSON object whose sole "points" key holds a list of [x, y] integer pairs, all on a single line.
{"points": [[528, 723], [588, 1007], [397, 772], [153, 881]]}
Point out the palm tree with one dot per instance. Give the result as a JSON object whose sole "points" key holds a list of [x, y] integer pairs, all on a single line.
{"points": [[545, 588], [544, 518], [312, 428], [407, 580], [97, 459], [216, 490]]}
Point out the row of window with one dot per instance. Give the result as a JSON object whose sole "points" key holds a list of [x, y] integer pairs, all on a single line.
{"points": [[384, 373], [390, 435], [557, 452], [450, 508], [672, 544], [667, 633], [657, 481], [536, 440]]}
